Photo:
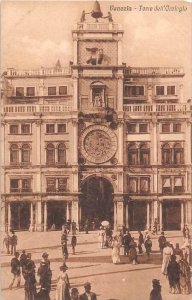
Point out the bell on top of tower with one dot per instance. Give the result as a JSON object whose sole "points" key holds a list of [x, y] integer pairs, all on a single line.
{"points": [[96, 12]]}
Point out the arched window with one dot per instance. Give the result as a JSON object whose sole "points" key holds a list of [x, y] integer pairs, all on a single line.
{"points": [[50, 154], [166, 154], [178, 154], [25, 153], [14, 154], [61, 152], [132, 155], [144, 154]]}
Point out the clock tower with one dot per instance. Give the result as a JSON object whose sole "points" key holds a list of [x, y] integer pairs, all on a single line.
{"points": [[98, 101]]}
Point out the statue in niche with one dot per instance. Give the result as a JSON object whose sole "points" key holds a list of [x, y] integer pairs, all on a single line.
{"points": [[97, 57]]}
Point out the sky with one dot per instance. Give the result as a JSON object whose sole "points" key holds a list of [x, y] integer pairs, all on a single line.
{"points": [[37, 33]]}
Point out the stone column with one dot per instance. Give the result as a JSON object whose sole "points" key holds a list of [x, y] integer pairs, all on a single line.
{"points": [[120, 91], [127, 215], [75, 43], [120, 142], [75, 90], [45, 217], [75, 212], [115, 214], [119, 203], [9, 216], [75, 180], [119, 49], [182, 215], [67, 212], [148, 215], [3, 221], [39, 216], [31, 228], [160, 216], [187, 154], [75, 142]]}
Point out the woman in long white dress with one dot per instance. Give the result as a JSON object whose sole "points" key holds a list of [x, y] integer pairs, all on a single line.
{"points": [[63, 285], [115, 251]]}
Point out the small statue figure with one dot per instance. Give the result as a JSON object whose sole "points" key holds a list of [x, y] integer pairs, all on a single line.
{"points": [[82, 16]]}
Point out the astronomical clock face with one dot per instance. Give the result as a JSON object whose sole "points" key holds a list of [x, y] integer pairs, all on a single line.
{"points": [[98, 144]]}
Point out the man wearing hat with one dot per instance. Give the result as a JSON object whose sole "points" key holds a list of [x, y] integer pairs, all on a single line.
{"points": [[88, 295], [15, 270], [45, 258], [156, 291], [29, 276]]}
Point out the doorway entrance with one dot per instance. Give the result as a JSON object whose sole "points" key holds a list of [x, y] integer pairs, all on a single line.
{"points": [[171, 215], [137, 215], [97, 202], [20, 215], [56, 214]]}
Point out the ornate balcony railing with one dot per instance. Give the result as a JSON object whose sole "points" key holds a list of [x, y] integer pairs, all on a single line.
{"points": [[39, 72], [25, 108], [97, 26], [157, 108], [153, 71]]}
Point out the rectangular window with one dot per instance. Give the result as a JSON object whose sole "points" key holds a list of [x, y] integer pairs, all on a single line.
{"points": [[52, 90], [51, 185], [62, 90], [166, 127], [19, 91], [14, 129], [171, 90], [131, 127], [14, 185], [176, 127], [25, 128], [178, 184], [61, 128], [50, 128], [143, 128], [160, 90], [133, 185], [144, 184], [166, 185], [26, 185], [134, 91], [30, 91], [62, 184]]}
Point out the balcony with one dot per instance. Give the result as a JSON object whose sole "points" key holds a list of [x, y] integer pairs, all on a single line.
{"points": [[18, 190], [97, 26], [39, 72], [134, 72], [30, 109], [157, 108]]}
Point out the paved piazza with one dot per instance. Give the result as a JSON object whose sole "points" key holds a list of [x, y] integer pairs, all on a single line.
{"points": [[110, 282]]}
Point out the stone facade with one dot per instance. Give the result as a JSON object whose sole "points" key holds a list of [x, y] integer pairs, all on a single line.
{"points": [[96, 140]]}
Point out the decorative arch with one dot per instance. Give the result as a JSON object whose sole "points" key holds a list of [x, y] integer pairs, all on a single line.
{"points": [[61, 153], [97, 200], [166, 154], [25, 153], [50, 154], [178, 154]]}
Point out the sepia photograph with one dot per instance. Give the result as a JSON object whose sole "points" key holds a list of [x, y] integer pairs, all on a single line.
{"points": [[96, 150]]}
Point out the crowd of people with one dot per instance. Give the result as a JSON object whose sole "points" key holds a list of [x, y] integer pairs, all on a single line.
{"points": [[175, 263], [124, 243]]}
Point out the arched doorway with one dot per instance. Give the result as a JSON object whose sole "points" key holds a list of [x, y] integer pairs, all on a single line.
{"points": [[97, 202]]}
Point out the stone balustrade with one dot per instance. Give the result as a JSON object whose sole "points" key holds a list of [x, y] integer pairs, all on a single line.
{"points": [[153, 71], [39, 72]]}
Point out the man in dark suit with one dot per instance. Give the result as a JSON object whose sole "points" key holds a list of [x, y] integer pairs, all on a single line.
{"points": [[88, 295]]}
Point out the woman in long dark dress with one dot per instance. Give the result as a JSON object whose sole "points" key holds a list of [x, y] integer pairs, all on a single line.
{"points": [[30, 281], [185, 283], [173, 274]]}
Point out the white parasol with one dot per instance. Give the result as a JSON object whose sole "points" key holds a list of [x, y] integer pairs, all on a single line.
{"points": [[104, 223]]}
